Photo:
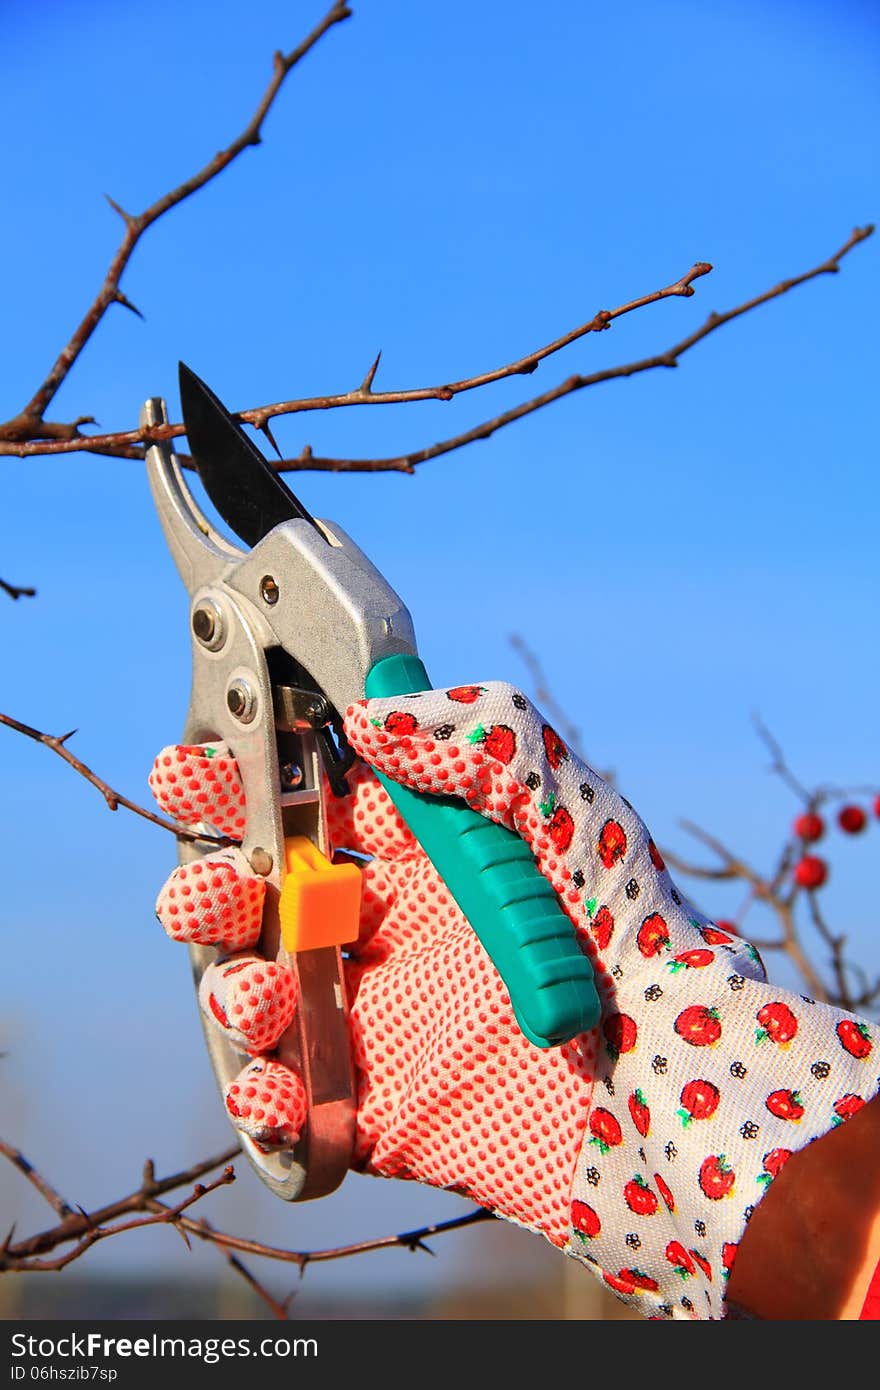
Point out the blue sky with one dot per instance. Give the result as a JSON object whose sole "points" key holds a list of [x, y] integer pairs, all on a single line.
{"points": [[455, 185]]}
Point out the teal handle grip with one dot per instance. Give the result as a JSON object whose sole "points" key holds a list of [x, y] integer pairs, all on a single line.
{"points": [[492, 875]]}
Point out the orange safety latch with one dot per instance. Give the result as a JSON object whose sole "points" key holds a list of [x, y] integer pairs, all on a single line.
{"points": [[320, 902]]}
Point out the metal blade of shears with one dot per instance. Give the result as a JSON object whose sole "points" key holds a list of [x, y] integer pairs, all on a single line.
{"points": [[242, 484]]}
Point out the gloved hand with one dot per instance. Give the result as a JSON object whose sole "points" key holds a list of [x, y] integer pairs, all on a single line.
{"points": [[641, 1149]]}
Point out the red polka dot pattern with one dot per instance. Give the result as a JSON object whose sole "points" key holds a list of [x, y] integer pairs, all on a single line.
{"points": [[367, 821], [267, 1101], [251, 1000], [450, 1092], [703, 1073], [214, 901], [200, 787], [703, 1070]]}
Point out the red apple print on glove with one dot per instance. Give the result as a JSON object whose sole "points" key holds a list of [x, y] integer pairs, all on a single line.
{"points": [[653, 936], [466, 694], [561, 829], [703, 1263], [680, 1258], [663, 1189], [690, 960], [612, 843], [698, 1026], [728, 1255], [641, 1115], [785, 1105], [399, 723], [774, 1162], [585, 1221], [714, 937], [629, 1280], [846, 1106], [656, 857], [639, 1197], [553, 746], [699, 1101], [602, 926], [777, 1023], [854, 1037], [500, 743], [717, 1178], [620, 1034], [605, 1130]]}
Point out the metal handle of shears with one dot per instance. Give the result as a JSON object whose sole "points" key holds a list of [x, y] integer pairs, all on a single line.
{"points": [[230, 642]]}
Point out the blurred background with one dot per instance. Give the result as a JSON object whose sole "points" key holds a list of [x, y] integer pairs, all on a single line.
{"points": [[456, 185]]}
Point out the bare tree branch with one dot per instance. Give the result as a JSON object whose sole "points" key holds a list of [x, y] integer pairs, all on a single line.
{"points": [[131, 443], [114, 799], [79, 1222], [29, 423], [95, 1234], [364, 393], [81, 1229], [43, 1186]]}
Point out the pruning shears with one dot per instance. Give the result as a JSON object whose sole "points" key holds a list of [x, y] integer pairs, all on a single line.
{"points": [[285, 636]]}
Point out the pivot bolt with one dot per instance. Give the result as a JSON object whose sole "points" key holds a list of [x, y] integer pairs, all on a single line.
{"points": [[208, 624], [241, 700]]}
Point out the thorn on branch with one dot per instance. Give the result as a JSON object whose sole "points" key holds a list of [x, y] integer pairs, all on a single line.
{"points": [[126, 216], [266, 429], [113, 798], [126, 303], [367, 383]]}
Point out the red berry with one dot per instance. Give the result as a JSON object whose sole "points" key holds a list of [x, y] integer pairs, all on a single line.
{"points": [[852, 819], [809, 826], [811, 871]]}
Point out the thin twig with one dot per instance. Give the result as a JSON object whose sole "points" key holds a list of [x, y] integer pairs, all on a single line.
{"points": [[79, 1222], [15, 591], [128, 443], [279, 1310], [82, 1229], [29, 424], [167, 1216], [43, 1186], [409, 1240], [114, 799], [364, 393], [407, 463]]}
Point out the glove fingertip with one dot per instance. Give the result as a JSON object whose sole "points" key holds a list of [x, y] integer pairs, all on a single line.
{"points": [[200, 786], [214, 901], [267, 1101]]}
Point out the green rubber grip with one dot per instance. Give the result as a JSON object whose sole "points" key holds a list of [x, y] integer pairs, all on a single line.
{"points": [[492, 875]]}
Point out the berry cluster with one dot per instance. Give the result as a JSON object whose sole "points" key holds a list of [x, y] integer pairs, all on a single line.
{"points": [[811, 870]]}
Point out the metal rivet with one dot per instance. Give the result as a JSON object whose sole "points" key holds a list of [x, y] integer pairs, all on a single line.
{"points": [[318, 712], [269, 589], [208, 624], [261, 862], [241, 700]]}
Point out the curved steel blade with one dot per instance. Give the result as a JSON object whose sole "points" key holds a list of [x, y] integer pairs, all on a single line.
{"points": [[241, 483]]}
